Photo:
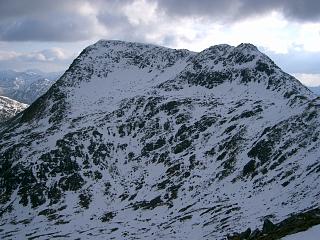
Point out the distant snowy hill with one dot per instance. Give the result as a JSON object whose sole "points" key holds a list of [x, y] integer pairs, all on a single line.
{"points": [[137, 141], [316, 90], [25, 86], [9, 108]]}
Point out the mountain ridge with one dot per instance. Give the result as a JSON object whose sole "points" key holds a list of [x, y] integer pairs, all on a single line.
{"points": [[216, 49], [150, 142]]}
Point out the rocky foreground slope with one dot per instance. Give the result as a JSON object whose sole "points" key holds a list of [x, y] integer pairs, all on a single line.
{"points": [[137, 141], [9, 108]]}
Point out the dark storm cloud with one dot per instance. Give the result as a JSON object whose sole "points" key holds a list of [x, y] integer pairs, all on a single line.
{"points": [[232, 10], [44, 20], [59, 20], [21, 8], [67, 28], [62, 20]]}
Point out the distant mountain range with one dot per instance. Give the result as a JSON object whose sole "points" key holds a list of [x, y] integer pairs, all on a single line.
{"points": [[137, 141], [26, 86], [316, 90]]}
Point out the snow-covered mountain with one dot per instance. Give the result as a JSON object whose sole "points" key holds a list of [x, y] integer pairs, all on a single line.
{"points": [[26, 86], [9, 108], [137, 141]]}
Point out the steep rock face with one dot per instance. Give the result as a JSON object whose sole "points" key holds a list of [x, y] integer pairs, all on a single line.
{"points": [[9, 108], [141, 141]]}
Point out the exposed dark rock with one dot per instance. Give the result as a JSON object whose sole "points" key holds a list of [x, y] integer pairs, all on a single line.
{"points": [[249, 167], [293, 224], [268, 226]]}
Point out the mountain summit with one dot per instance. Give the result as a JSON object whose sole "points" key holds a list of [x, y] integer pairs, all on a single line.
{"points": [[137, 141]]}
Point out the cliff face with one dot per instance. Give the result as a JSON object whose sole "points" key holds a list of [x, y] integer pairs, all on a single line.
{"points": [[141, 141]]}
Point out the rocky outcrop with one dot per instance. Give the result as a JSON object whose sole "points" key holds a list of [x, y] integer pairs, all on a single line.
{"points": [[293, 224]]}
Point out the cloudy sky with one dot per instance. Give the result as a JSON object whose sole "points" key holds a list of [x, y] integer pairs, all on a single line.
{"points": [[48, 34]]}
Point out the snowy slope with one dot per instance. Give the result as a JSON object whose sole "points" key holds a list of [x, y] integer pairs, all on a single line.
{"points": [[9, 108], [137, 141]]}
